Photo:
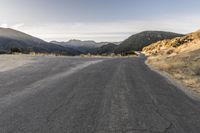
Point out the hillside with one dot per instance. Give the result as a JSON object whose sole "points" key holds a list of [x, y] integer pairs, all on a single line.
{"points": [[106, 49], [138, 41], [177, 45], [10, 38], [179, 57]]}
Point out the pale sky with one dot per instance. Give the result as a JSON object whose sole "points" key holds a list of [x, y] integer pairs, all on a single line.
{"points": [[99, 20]]}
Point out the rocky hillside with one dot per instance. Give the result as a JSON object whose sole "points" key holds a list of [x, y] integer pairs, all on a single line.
{"points": [[10, 39], [177, 45], [179, 57], [138, 41]]}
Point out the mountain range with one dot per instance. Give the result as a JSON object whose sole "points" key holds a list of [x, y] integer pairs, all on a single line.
{"points": [[134, 43], [10, 38], [82, 46]]}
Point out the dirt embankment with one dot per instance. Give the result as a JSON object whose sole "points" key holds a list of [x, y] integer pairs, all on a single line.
{"points": [[179, 57]]}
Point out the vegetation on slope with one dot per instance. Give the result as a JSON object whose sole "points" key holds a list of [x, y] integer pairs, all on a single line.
{"points": [[180, 57], [106, 49], [138, 41], [172, 45]]}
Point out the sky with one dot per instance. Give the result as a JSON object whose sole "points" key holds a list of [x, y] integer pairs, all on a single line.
{"points": [[99, 20]]}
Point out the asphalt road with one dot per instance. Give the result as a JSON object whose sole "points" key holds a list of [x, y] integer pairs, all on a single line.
{"points": [[74, 95]]}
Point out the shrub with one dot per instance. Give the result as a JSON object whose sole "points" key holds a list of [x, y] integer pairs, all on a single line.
{"points": [[15, 50], [170, 51], [195, 67]]}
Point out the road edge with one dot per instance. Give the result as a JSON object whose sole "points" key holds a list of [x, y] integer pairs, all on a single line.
{"points": [[175, 82]]}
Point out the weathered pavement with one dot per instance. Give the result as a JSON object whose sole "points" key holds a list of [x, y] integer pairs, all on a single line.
{"points": [[71, 95]]}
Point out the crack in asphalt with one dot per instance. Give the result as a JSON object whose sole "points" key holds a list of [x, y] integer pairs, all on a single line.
{"points": [[127, 130], [156, 109], [160, 114]]}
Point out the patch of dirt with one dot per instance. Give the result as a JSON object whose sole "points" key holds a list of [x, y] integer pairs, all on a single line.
{"points": [[9, 62]]}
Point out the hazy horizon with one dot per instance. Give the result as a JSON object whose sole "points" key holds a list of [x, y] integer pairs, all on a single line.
{"points": [[105, 20]]}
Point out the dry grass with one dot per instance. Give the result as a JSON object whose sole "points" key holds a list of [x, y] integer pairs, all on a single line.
{"points": [[177, 45], [106, 56], [180, 57], [44, 54], [183, 67]]}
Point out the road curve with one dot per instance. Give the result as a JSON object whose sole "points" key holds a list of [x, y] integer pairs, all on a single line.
{"points": [[74, 95]]}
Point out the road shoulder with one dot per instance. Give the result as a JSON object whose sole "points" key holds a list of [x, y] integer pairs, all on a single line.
{"points": [[175, 82]]}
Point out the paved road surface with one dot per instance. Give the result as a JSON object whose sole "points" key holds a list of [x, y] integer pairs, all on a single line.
{"points": [[72, 95]]}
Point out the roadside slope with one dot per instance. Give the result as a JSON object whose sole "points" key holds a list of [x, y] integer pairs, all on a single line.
{"points": [[180, 57]]}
